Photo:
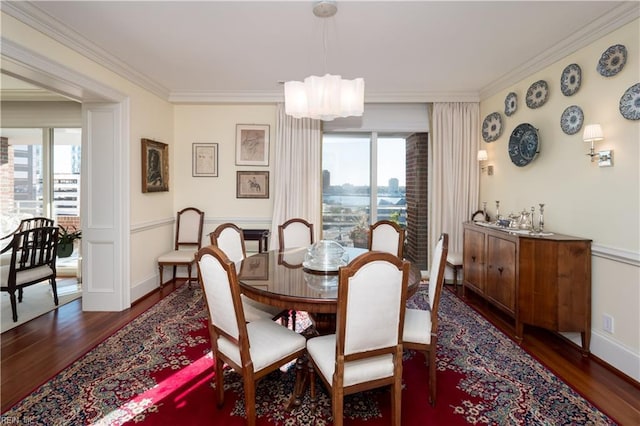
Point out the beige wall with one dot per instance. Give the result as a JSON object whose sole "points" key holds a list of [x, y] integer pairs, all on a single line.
{"points": [[580, 198], [217, 195]]}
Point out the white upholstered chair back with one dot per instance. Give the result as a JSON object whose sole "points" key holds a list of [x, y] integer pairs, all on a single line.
{"points": [[230, 240], [387, 236], [373, 306], [216, 282], [189, 227], [295, 233]]}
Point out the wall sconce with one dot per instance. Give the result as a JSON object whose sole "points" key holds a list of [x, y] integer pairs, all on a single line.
{"points": [[482, 157], [593, 133]]}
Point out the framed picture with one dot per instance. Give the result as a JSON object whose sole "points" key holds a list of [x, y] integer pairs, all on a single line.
{"points": [[252, 144], [155, 166], [255, 267], [205, 160], [252, 185]]}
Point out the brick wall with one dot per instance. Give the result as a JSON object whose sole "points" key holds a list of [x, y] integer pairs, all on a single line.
{"points": [[66, 221], [417, 249]]}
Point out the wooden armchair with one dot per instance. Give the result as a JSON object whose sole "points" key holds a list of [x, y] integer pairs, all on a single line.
{"points": [[33, 259]]}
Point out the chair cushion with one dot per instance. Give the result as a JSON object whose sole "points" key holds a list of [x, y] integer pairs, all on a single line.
{"points": [[178, 256], [323, 351], [269, 342], [454, 258], [254, 311], [30, 275], [417, 326]]}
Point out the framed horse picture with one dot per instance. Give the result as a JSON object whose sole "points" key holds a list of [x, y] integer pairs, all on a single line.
{"points": [[252, 184]]}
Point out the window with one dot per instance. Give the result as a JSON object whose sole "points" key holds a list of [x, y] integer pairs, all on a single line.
{"points": [[364, 180]]}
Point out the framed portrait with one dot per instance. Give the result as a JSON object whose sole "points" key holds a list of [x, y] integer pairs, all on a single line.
{"points": [[155, 166], [255, 267], [205, 160], [252, 144], [252, 184]]}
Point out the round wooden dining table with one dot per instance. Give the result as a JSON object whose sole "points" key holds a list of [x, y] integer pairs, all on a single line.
{"points": [[278, 278]]}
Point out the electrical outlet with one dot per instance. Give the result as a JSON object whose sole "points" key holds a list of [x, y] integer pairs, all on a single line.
{"points": [[607, 323]]}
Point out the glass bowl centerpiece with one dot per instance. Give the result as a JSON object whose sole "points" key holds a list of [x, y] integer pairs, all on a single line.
{"points": [[325, 256]]}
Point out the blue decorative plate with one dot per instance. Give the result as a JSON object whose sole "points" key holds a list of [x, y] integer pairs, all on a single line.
{"points": [[537, 94], [571, 120], [612, 60], [492, 127], [510, 104], [571, 79], [523, 144], [630, 103]]}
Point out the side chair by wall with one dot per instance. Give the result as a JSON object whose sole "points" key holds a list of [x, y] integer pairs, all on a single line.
{"points": [[188, 241], [366, 351], [230, 239], [387, 236], [252, 349], [33, 259], [421, 327]]}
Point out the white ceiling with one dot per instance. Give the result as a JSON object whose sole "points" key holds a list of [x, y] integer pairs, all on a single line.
{"points": [[212, 51]]}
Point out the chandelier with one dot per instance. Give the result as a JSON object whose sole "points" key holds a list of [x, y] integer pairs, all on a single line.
{"points": [[327, 97]]}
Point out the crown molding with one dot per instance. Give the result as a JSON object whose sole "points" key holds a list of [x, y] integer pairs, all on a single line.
{"points": [[225, 97], [609, 22], [34, 17], [8, 95]]}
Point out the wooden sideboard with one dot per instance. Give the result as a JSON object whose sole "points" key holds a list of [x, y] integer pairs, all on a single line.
{"points": [[543, 281]]}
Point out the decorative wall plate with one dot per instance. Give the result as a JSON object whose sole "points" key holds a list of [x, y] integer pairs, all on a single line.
{"points": [[571, 79], [612, 60], [523, 144], [510, 104], [537, 94], [492, 127], [630, 103], [572, 119]]}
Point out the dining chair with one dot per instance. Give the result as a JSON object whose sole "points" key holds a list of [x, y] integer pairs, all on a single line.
{"points": [[387, 236], [188, 241], [366, 350], [252, 349], [295, 232], [230, 239], [421, 326], [32, 260]]}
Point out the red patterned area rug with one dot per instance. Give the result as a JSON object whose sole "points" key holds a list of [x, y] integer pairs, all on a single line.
{"points": [[158, 371]]}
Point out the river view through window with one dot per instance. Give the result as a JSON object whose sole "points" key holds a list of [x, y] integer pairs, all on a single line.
{"points": [[364, 180]]}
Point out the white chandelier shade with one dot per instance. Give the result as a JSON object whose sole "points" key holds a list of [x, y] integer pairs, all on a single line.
{"points": [[324, 98]]}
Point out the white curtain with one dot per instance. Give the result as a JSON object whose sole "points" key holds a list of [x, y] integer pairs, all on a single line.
{"points": [[454, 171], [297, 172]]}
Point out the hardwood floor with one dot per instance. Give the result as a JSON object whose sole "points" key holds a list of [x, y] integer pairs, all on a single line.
{"points": [[34, 352]]}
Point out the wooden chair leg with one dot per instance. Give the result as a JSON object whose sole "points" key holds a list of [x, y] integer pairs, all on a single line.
{"points": [[337, 402], [432, 376], [160, 267], [14, 306], [219, 381], [312, 385], [250, 400], [189, 278], [174, 276], [396, 402], [54, 288]]}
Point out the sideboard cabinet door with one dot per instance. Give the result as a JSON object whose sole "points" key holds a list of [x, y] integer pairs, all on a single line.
{"points": [[473, 260], [500, 286]]}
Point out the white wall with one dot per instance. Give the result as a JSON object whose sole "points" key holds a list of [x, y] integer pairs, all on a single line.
{"points": [[581, 199]]}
